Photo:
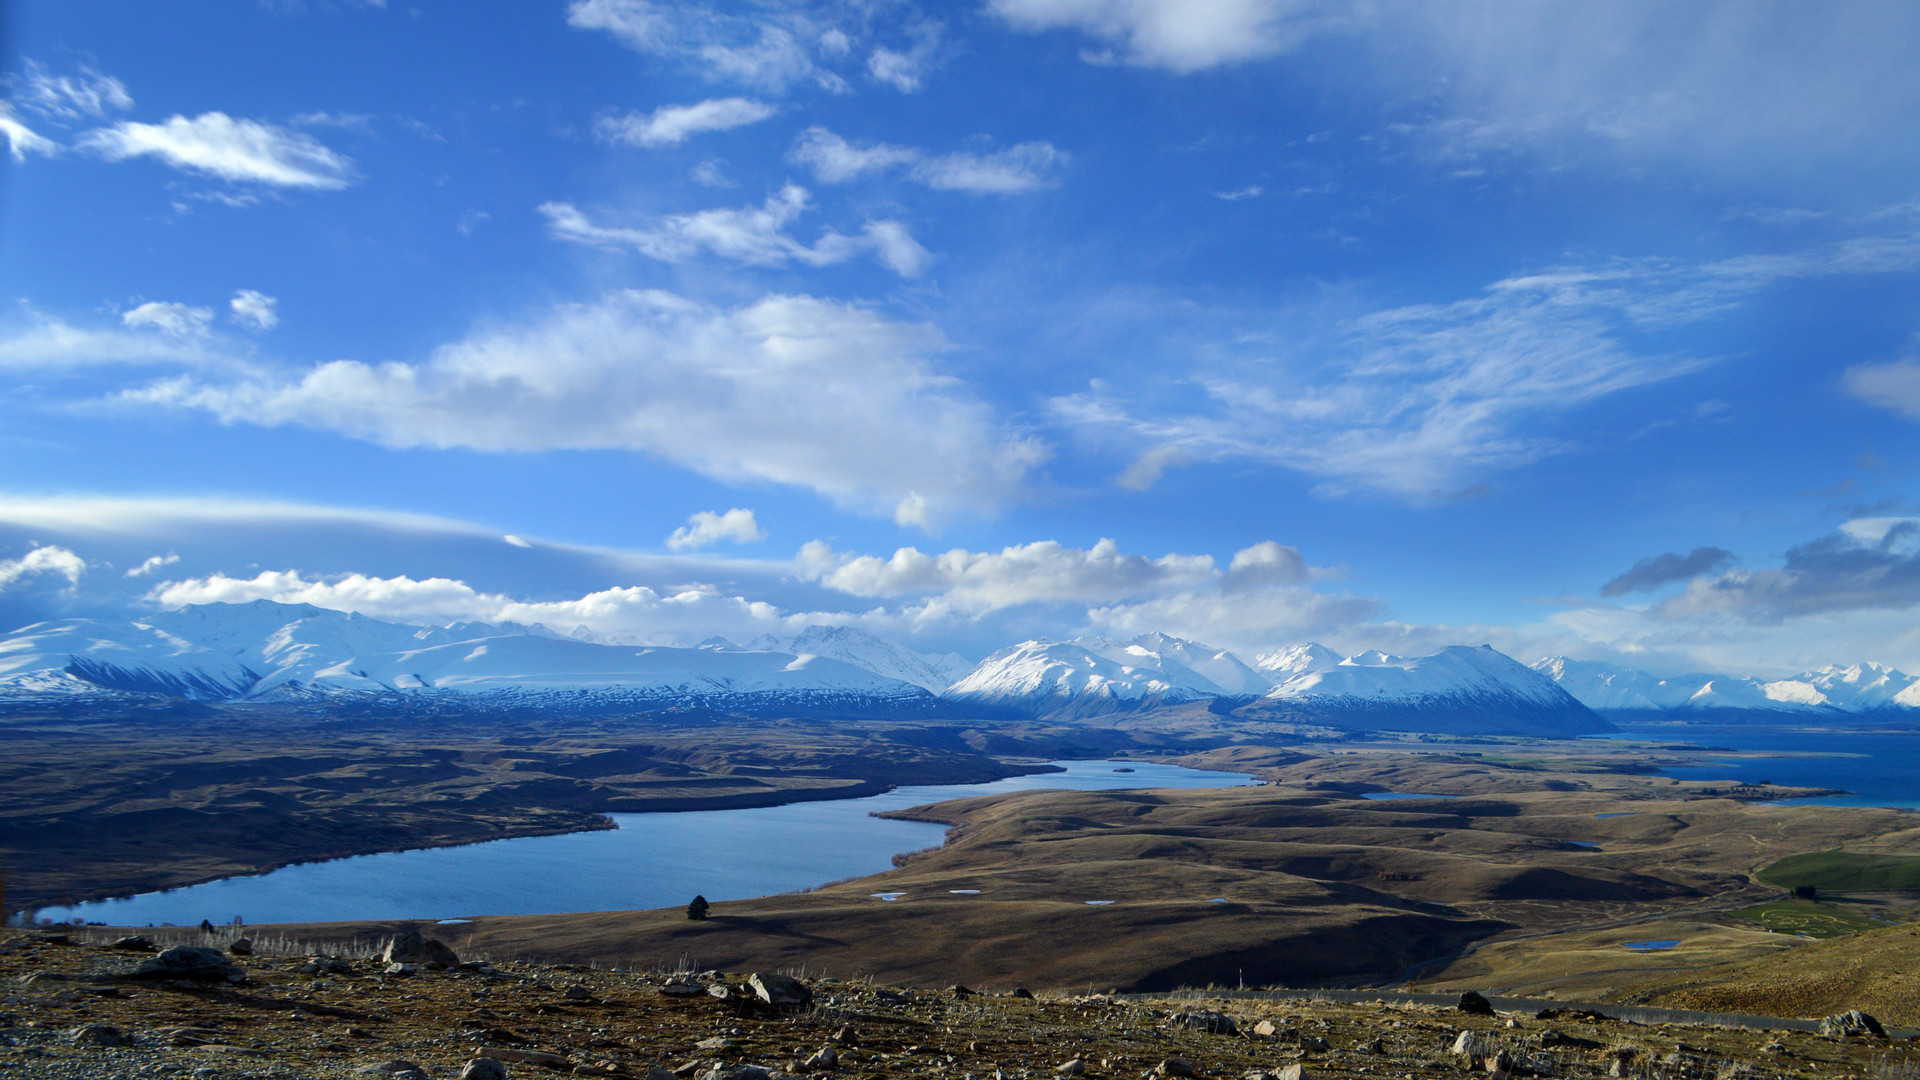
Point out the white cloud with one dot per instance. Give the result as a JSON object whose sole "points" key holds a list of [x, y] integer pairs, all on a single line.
{"points": [[756, 236], [1148, 468], [45, 559], [1179, 35], [38, 340], [1893, 385], [1419, 401], [670, 125], [706, 528], [179, 320], [152, 564], [1041, 572], [791, 389], [215, 144], [904, 69], [1018, 168], [766, 50], [632, 612], [21, 139], [255, 309], [88, 94]]}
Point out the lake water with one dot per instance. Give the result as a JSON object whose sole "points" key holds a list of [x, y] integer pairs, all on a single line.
{"points": [[1880, 767], [650, 861]]}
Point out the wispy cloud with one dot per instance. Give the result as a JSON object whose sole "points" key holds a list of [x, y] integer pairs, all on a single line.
{"points": [[21, 139], [791, 389], [255, 309], [1023, 167], [773, 49], [236, 150], [670, 125], [1179, 35], [1417, 401], [179, 320], [88, 94], [757, 236]]}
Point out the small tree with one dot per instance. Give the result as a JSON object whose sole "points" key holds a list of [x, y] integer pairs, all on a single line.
{"points": [[698, 909]]}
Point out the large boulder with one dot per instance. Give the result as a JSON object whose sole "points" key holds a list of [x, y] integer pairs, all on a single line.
{"points": [[779, 989], [196, 963], [411, 948], [1852, 1022]]}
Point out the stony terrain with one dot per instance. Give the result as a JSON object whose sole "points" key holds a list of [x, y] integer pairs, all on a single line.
{"points": [[75, 1008]]}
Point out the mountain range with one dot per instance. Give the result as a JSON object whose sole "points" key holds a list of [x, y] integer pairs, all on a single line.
{"points": [[265, 651]]}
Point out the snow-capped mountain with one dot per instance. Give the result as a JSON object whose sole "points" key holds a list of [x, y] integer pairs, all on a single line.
{"points": [[1283, 664], [1855, 689], [264, 650], [1042, 677], [1454, 690], [1219, 666], [933, 673]]}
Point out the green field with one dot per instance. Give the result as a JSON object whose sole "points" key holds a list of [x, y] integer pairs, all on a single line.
{"points": [[1808, 919], [1844, 871]]}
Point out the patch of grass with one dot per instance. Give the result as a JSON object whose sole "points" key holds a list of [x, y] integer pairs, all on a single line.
{"points": [[1807, 919], [1844, 871]]}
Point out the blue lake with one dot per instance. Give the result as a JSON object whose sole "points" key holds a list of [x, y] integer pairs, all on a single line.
{"points": [[1881, 767], [650, 861]]}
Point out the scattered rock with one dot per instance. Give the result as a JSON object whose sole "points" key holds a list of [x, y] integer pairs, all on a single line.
{"points": [[1473, 1004], [484, 1068], [577, 992], [399, 1070], [1074, 1067], [1315, 1043], [411, 948], [1266, 1029], [826, 1059], [195, 962], [1174, 1066], [1500, 1062], [681, 987], [99, 1035], [1853, 1022], [1472, 1046], [399, 971], [1589, 1016], [326, 965], [1372, 1046], [241, 947], [1295, 1071], [775, 989], [655, 1072], [1213, 1023], [846, 1036], [133, 943]]}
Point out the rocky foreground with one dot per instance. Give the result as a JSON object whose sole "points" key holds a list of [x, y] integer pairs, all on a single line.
{"points": [[101, 1010]]}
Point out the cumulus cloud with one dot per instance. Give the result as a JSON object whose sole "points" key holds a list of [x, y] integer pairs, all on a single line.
{"points": [[756, 236], [792, 389], [82, 96], [1419, 401], [638, 611], [152, 564], [255, 309], [38, 340], [706, 528], [980, 581], [235, 150], [1894, 385], [670, 125], [1178, 35], [1650, 573], [1018, 168], [42, 560], [179, 320]]}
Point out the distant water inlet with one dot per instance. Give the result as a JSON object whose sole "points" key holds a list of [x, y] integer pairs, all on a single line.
{"points": [[650, 861]]}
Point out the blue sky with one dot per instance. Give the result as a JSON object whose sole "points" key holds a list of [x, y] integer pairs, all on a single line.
{"points": [[1583, 329]]}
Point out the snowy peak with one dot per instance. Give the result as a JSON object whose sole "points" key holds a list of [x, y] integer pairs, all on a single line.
{"points": [[1456, 671], [220, 652], [1857, 688], [861, 649], [1218, 666], [1044, 676], [1284, 664]]}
